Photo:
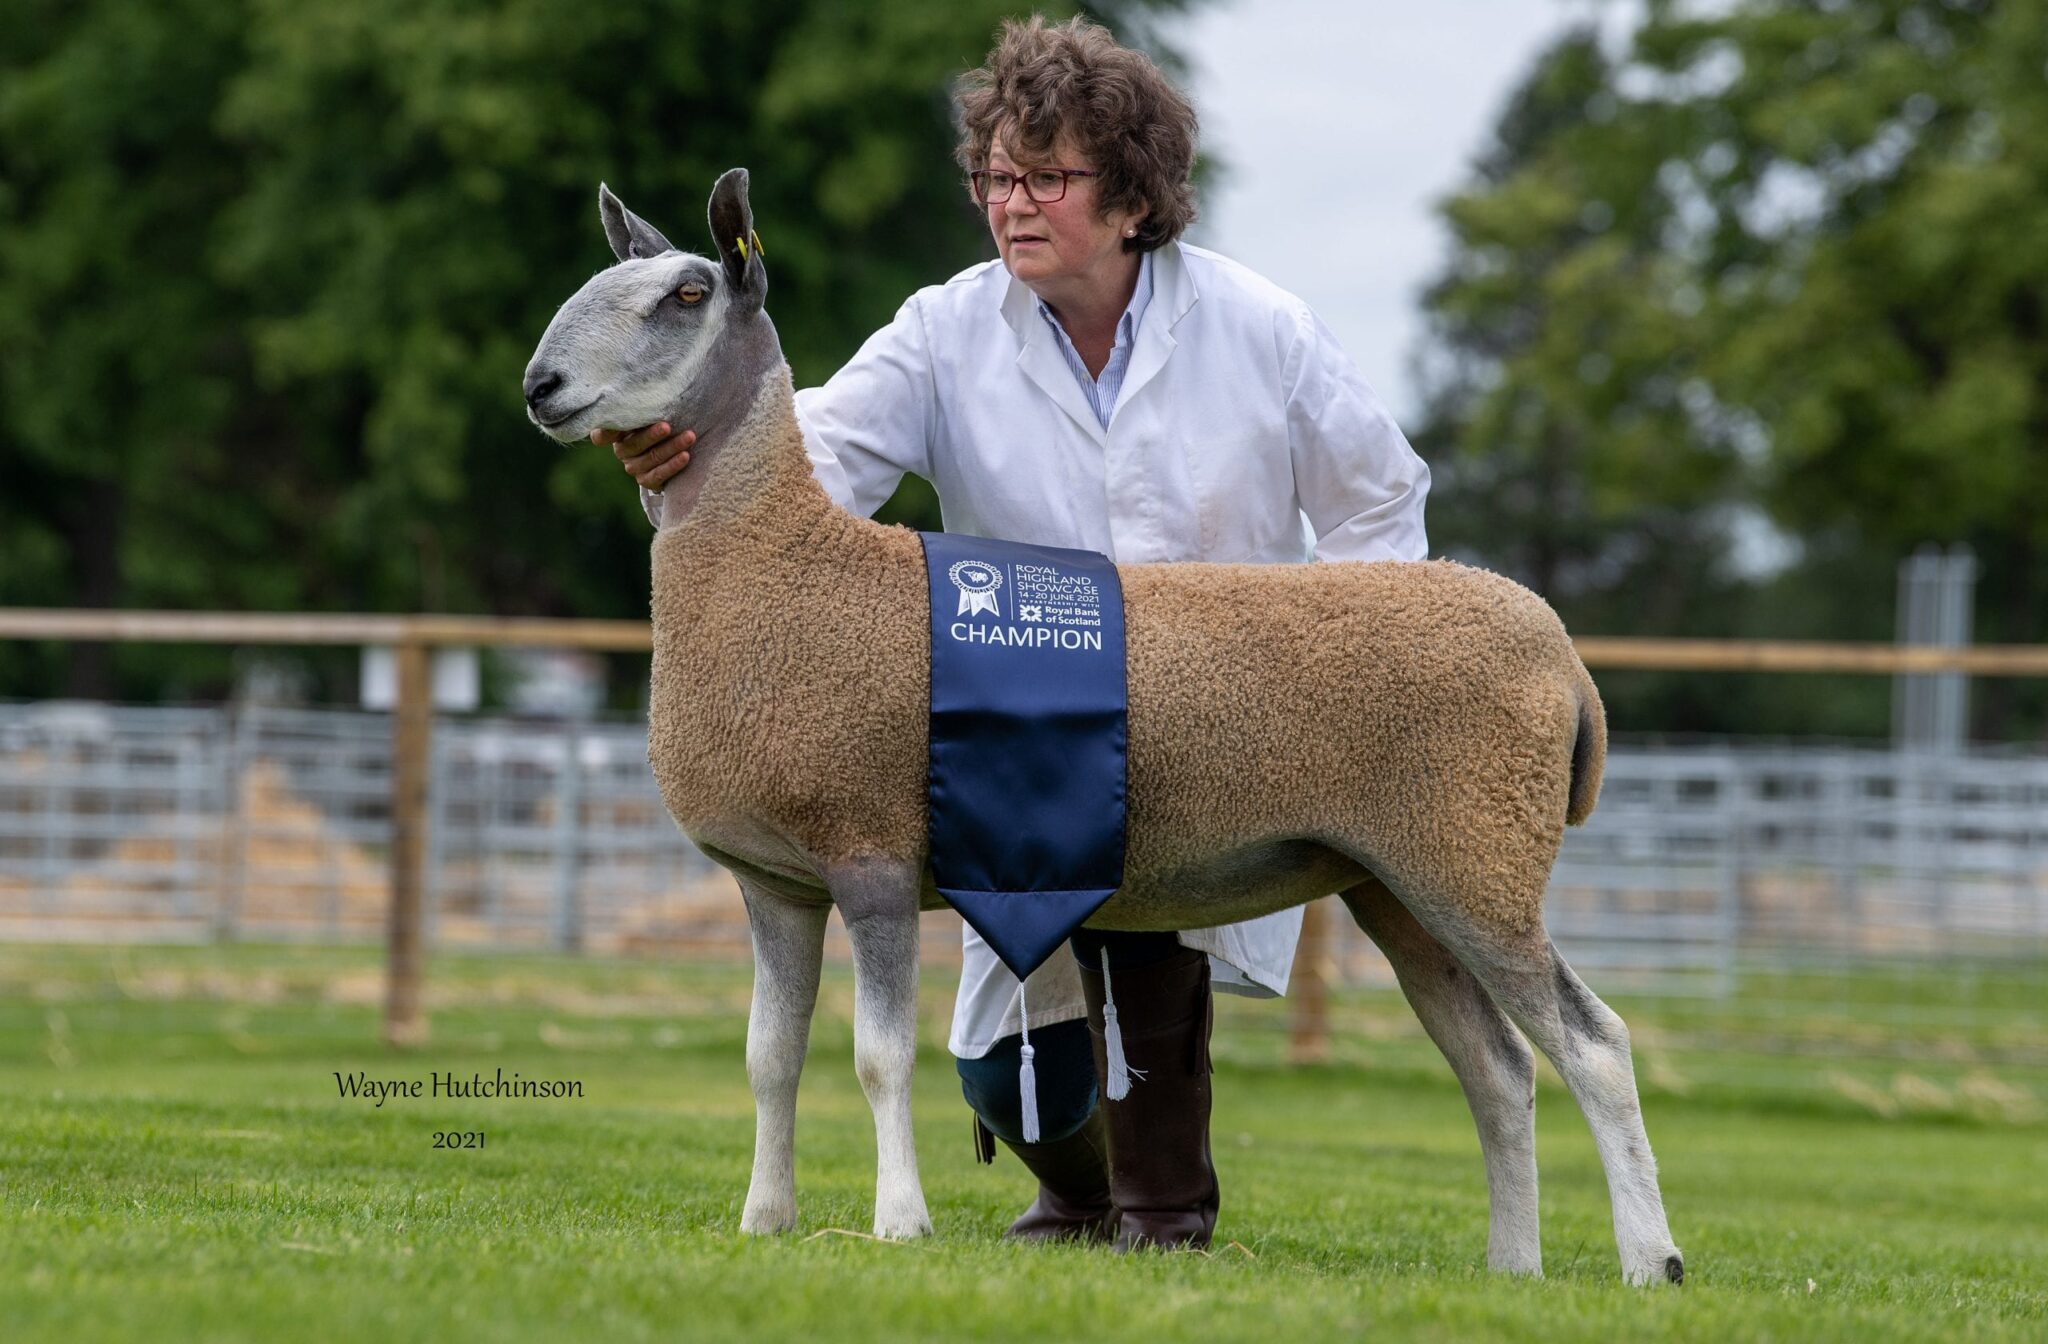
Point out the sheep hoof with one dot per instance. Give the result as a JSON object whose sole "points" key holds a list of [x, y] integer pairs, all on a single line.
{"points": [[903, 1224], [768, 1220], [903, 1231], [1654, 1268]]}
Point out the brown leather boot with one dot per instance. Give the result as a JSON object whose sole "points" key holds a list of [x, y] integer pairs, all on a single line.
{"points": [[1073, 1186], [1161, 1177]]}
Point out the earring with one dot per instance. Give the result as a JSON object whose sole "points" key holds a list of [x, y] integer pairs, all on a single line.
{"points": [[1130, 233]]}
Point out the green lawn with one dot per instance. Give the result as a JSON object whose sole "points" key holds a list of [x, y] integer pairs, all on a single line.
{"points": [[175, 1163]]}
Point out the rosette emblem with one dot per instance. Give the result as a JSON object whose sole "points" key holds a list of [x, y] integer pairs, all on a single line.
{"points": [[977, 581]]}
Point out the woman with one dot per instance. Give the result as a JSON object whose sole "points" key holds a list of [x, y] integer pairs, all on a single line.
{"points": [[1104, 386]]}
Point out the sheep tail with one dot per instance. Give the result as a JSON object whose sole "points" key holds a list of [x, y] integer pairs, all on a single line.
{"points": [[1589, 749]]}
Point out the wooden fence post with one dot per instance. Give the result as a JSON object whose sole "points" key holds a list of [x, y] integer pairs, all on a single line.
{"points": [[1309, 1041], [405, 1023]]}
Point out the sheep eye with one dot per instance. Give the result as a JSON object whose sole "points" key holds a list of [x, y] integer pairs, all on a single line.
{"points": [[691, 293]]}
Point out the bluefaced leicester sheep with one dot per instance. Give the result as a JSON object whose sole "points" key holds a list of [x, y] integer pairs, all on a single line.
{"points": [[1414, 736]]}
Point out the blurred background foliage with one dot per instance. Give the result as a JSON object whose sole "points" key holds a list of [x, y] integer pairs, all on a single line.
{"points": [[1737, 316], [270, 272], [1738, 309]]}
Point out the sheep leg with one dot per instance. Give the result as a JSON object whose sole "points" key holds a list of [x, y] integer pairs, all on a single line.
{"points": [[789, 947], [1492, 1062], [1589, 1046], [879, 904]]}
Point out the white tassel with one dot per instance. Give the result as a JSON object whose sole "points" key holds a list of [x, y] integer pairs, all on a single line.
{"points": [[1027, 1077], [1120, 1071], [1027, 1083]]}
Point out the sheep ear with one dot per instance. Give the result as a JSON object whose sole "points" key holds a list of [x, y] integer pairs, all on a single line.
{"points": [[629, 235], [732, 231]]}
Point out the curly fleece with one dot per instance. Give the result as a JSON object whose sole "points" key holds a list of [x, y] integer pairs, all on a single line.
{"points": [[1292, 728]]}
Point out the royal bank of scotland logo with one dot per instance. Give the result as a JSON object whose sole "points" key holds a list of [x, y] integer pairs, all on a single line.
{"points": [[977, 581]]}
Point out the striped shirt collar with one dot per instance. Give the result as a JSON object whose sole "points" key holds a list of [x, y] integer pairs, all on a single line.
{"points": [[1102, 392]]}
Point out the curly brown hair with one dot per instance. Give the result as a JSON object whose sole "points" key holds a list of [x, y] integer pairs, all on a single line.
{"points": [[1042, 81]]}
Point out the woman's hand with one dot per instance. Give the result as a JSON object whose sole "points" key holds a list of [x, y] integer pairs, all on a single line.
{"points": [[649, 454]]}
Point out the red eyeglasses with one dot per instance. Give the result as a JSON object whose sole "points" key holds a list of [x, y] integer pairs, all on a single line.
{"points": [[1044, 185]]}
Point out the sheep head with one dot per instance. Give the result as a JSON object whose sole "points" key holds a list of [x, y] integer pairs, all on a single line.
{"points": [[663, 334]]}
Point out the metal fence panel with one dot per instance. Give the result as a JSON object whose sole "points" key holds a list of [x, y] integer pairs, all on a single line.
{"points": [[255, 822]]}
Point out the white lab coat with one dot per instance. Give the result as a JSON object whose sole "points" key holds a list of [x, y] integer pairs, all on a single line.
{"points": [[1239, 416]]}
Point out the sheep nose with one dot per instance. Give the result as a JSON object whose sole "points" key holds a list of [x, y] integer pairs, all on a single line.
{"points": [[540, 384]]}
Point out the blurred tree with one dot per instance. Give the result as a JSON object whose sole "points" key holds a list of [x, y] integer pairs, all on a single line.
{"points": [[1566, 419], [269, 273], [1782, 259], [120, 362], [1554, 405]]}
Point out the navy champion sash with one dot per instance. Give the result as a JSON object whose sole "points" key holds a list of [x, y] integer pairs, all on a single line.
{"points": [[1027, 739]]}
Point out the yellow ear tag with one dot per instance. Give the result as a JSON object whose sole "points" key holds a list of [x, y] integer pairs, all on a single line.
{"points": [[757, 245], [741, 244]]}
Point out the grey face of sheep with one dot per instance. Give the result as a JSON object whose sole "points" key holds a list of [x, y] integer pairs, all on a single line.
{"points": [[636, 344]]}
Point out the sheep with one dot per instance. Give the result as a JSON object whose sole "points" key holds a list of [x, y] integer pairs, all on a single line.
{"points": [[1414, 736]]}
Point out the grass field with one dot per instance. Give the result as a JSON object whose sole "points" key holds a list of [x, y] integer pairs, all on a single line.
{"points": [[176, 1163]]}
